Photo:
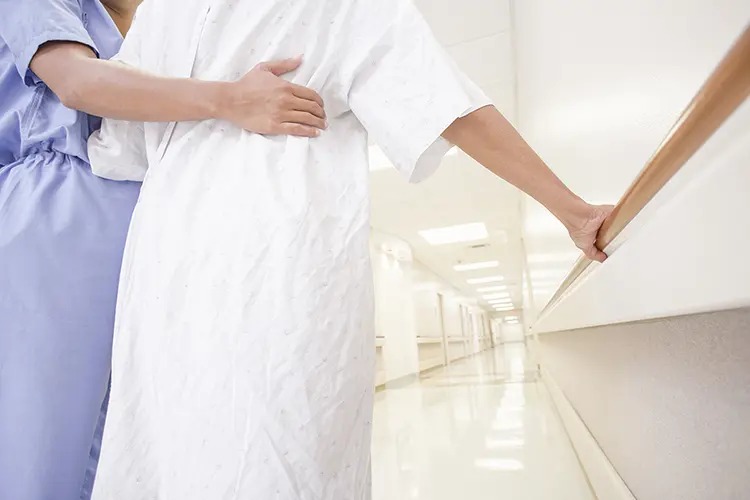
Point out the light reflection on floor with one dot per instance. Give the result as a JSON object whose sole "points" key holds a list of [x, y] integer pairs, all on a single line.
{"points": [[481, 429]]}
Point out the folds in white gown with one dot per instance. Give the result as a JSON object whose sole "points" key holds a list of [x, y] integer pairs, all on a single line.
{"points": [[244, 347]]}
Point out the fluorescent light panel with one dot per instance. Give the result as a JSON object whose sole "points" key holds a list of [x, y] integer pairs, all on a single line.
{"points": [[497, 288], [476, 265], [491, 296], [487, 279], [455, 234]]}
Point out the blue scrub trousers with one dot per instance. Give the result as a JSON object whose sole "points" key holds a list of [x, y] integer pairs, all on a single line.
{"points": [[62, 234]]}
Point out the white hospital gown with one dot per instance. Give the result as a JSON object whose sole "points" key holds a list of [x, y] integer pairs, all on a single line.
{"points": [[243, 364]]}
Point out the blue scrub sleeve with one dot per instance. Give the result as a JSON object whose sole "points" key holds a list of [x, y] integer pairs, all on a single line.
{"points": [[25, 25]]}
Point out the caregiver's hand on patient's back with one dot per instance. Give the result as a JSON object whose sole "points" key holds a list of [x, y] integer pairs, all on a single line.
{"points": [[267, 104], [261, 101]]}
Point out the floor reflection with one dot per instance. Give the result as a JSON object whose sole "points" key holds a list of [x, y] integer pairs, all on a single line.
{"points": [[480, 429]]}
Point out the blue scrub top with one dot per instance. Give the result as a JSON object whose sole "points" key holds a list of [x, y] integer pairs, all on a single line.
{"points": [[32, 118]]}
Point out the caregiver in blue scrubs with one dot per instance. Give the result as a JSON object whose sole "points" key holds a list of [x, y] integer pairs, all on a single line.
{"points": [[62, 229]]}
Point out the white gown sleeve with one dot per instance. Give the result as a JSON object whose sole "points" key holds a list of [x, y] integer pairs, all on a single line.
{"points": [[117, 150], [406, 90]]}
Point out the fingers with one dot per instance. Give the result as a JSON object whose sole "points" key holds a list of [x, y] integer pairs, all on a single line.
{"points": [[311, 107], [281, 67], [304, 118], [307, 95], [598, 256], [307, 99], [595, 254], [298, 130]]}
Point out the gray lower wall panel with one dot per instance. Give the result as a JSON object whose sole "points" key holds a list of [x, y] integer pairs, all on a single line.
{"points": [[668, 401]]}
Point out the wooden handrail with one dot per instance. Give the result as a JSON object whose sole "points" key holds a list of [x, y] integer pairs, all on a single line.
{"points": [[724, 91]]}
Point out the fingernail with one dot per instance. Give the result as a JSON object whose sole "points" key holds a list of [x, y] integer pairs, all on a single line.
{"points": [[325, 124]]}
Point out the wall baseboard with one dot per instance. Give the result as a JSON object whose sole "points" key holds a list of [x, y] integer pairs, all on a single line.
{"points": [[603, 478]]}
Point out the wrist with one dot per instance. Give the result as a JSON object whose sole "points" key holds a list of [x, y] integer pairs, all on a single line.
{"points": [[219, 100], [574, 213]]}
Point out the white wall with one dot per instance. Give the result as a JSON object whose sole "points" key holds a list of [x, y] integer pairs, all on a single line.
{"points": [[408, 309], [394, 306], [687, 257], [427, 313], [452, 315], [599, 85]]}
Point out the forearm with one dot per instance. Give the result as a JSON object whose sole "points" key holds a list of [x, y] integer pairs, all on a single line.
{"points": [[115, 90], [118, 91], [490, 139]]}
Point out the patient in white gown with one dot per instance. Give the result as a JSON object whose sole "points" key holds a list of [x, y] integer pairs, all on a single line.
{"points": [[243, 363]]}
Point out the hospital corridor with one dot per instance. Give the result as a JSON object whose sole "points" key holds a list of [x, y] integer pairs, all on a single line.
{"points": [[508, 366], [374, 250]]}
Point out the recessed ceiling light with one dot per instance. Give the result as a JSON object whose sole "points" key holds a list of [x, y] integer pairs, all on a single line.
{"points": [[488, 279], [511, 318], [454, 234], [477, 265], [505, 308], [503, 300], [491, 296], [496, 288]]}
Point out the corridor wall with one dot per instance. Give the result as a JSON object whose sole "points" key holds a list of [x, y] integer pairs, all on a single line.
{"points": [[598, 86], [650, 350], [409, 302]]}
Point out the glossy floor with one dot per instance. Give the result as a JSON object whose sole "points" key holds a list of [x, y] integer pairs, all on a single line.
{"points": [[481, 429]]}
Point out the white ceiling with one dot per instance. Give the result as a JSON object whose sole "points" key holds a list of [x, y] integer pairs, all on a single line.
{"points": [[462, 191]]}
